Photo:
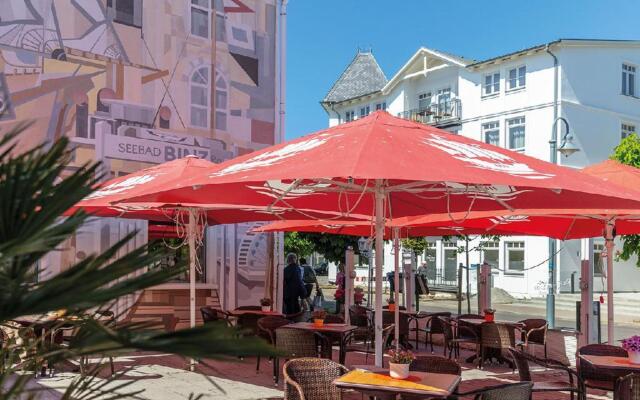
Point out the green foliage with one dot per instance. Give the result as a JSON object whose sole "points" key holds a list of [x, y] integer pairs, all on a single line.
{"points": [[332, 247], [36, 189], [628, 152], [295, 243], [417, 245]]}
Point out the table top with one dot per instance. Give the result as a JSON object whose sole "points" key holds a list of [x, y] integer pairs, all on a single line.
{"points": [[378, 379], [611, 362], [310, 326], [256, 312]]}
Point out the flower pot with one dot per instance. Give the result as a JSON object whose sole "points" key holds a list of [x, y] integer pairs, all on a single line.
{"points": [[318, 322], [266, 308], [634, 357], [399, 371], [392, 307], [489, 317]]}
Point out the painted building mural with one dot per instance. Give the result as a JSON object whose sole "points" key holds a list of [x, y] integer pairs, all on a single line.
{"points": [[135, 83]]}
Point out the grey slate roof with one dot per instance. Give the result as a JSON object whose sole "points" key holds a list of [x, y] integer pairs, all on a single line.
{"points": [[363, 76]]}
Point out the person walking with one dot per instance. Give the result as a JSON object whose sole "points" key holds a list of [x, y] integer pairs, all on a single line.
{"points": [[310, 279], [293, 287]]}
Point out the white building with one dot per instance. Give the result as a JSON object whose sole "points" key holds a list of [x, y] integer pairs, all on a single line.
{"points": [[510, 101]]}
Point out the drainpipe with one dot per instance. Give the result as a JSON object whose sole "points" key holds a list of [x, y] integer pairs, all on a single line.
{"points": [[553, 158]]}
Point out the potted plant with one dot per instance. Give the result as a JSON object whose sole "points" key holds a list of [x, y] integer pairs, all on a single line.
{"points": [[489, 314], [392, 304], [266, 304], [358, 295], [318, 317], [399, 363], [632, 346]]}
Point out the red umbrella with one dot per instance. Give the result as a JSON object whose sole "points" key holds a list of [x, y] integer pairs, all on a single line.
{"points": [[384, 166]]}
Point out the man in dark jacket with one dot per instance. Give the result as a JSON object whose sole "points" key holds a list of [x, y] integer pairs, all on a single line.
{"points": [[293, 288]]}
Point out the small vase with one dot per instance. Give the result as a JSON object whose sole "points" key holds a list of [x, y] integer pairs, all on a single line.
{"points": [[634, 357], [399, 371], [488, 317], [318, 322], [392, 307], [266, 308]]}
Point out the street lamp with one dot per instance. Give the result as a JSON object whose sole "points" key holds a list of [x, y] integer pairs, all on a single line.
{"points": [[567, 148]]}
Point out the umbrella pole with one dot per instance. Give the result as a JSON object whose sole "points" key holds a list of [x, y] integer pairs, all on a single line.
{"points": [[191, 236], [379, 197], [610, 248], [396, 278]]}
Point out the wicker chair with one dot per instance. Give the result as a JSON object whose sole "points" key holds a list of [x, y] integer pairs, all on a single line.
{"points": [[535, 331], [210, 314], [359, 316], [511, 391], [627, 388], [296, 343], [495, 336], [432, 326], [522, 360], [352, 345], [451, 340], [312, 378], [598, 378], [436, 365], [267, 330], [389, 317]]}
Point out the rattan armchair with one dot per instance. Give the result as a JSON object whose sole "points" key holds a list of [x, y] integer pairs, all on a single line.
{"points": [[627, 388], [351, 344], [389, 317], [452, 339], [435, 365], [511, 391], [598, 378], [296, 343], [312, 378], [534, 331], [210, 314], [267, 330], [359, 316], [522, 361], [431, 326], [500, 337]]}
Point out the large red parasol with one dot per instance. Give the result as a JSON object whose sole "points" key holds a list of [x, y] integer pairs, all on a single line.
{"points": [[384, 166]]}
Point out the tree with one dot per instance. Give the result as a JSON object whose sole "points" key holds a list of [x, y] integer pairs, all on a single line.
{"points": [[416, 244], [628, 152], [332, 247], [36, 189], [295, 243]]}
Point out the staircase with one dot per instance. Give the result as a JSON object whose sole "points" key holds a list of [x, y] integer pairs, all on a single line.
{"points": [[168, 309]]}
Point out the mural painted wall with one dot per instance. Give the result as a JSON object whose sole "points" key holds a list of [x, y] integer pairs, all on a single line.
{"points": [[138, 82]]}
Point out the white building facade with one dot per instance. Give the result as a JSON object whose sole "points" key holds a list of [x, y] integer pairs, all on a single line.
{"points": [[510, 101]]}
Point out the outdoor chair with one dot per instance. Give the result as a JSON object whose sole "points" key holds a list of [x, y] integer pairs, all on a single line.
{"points": [[511, 391], [312, 378], [535, 331], [470, 327], [359, 316], [432, 326], [267, 330], [388, 318], [210, 314], [594, 377], [451, 340], [297, 343], [522, 360], [627, 388], [435, 365], [498, 337], [366, 346]]}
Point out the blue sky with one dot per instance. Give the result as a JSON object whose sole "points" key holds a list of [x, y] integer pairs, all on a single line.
{"points": [[323, 37]]}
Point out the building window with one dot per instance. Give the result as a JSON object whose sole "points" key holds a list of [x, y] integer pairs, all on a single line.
{"points": [[424, 101], [517, 78], [491, 133], [200, 17], [221, 102], [364, 111], [381, 106], [200, 92], [491, 84], [82, 120], [431, 259], [450, 267], [127, 12], [628, 80], [516, 133], [627, 129], [598, 262], [349, 116], [491, 252], [514, 257]]}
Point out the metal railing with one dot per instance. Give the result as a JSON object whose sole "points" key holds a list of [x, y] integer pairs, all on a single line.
{"points": [[435, 114], [440, 282]]}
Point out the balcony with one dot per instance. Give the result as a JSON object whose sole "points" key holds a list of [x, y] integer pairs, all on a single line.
{"points": [[442, 114]]}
